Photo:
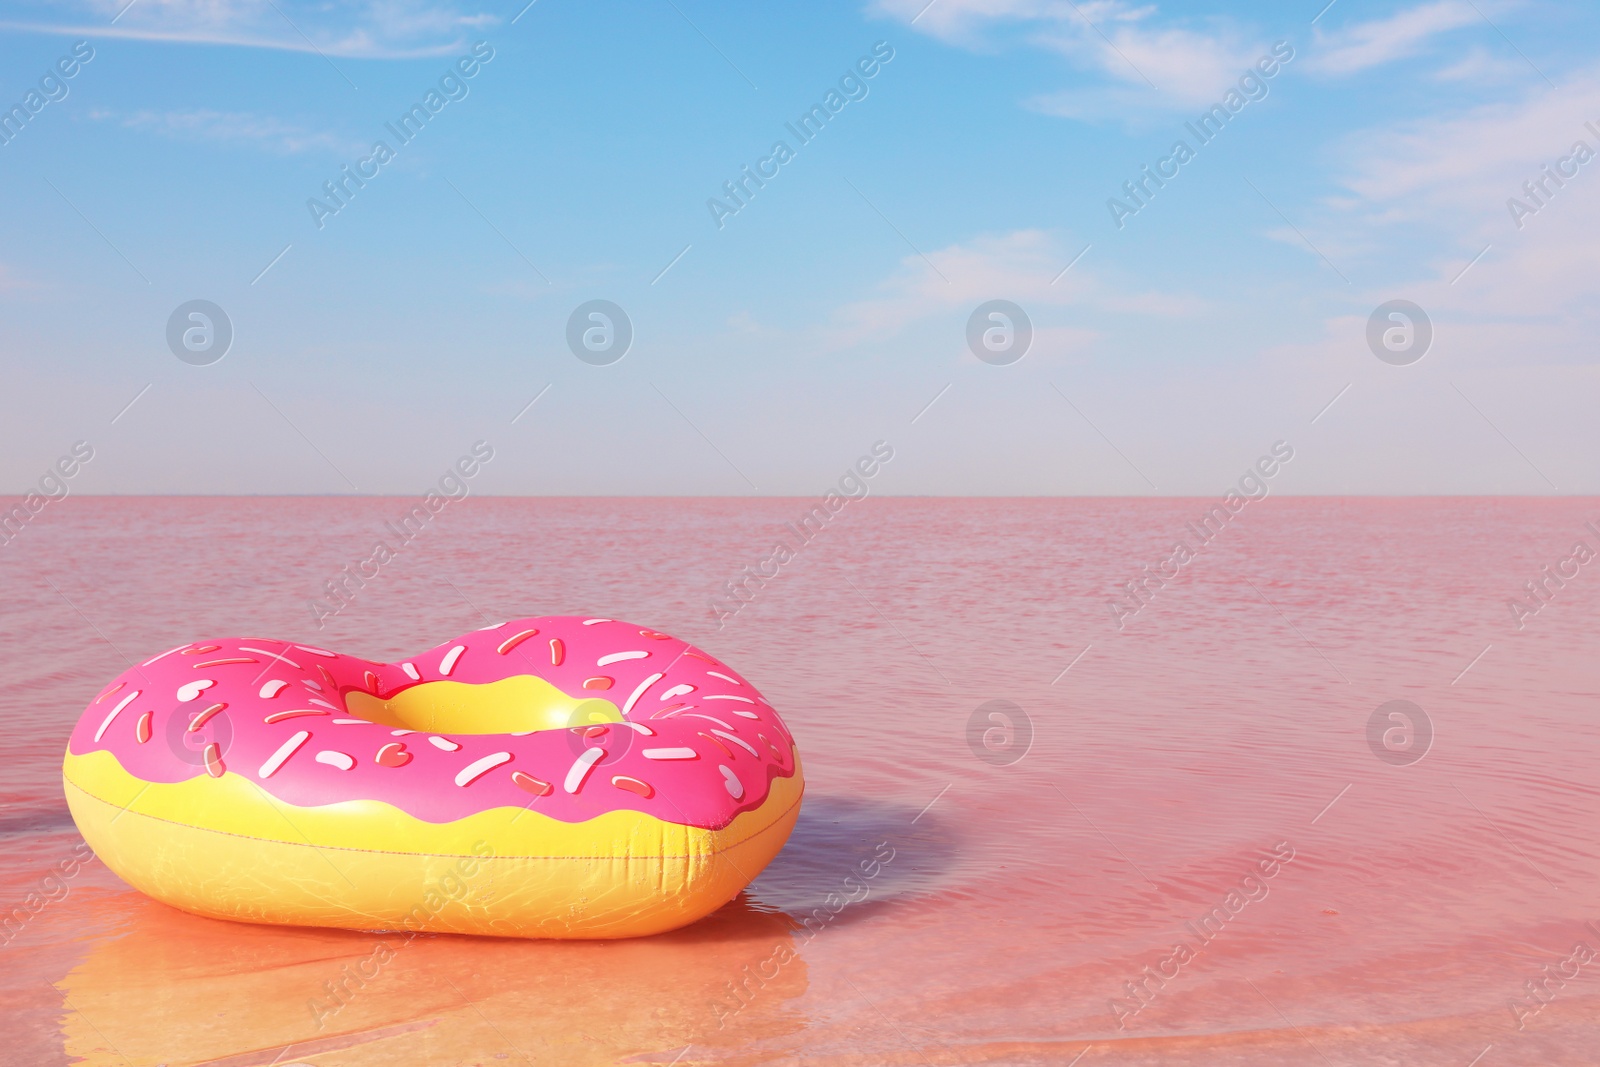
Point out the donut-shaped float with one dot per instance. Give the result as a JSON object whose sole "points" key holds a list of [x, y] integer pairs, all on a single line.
{"points": [[555, 777]]}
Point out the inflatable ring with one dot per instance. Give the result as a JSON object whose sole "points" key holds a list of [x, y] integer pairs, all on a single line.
{"points": [[548, 777]]}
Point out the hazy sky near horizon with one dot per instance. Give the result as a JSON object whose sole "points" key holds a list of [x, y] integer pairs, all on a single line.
{"points": [[1177, 334]]}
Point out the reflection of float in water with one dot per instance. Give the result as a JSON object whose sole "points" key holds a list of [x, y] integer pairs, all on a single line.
{"points": [[181, 990]]}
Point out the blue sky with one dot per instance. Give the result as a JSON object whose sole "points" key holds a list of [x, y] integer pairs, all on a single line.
{"points": [[577, 164]]}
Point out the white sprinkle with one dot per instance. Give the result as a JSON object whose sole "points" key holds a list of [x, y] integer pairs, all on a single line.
{"points": [[444, 743], [271, 655], [708, 718], [316, 651], [671, 753], [582, 766], [725, 696], [448, 664], [591, 622], [163, 655], [273, 688], [400, 733], [639, 692], [98, 734], [676, 691], [724, 677], [618, 657], [287, 749], [190, 690], [641, 728], [478, 768], [731, 780], [336, 759], [411, 669], [742, 744], [745, 714], [496, 626], [321, 704], [350, 722]]}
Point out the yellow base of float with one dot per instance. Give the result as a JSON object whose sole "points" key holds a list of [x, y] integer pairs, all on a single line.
{"points": [[226, 849]]}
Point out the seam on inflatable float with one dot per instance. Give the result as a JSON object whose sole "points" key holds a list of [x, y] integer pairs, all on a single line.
{"points": [[455, 855]]}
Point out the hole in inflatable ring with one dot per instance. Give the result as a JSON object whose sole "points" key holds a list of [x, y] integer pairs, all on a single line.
{"points": [[520, 704]]}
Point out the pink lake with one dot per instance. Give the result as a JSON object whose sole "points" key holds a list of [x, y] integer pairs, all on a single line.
{"points": [[1205, 776]]}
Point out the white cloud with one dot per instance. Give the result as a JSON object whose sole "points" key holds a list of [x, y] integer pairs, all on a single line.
{"points": [[1370, 44], [1149, 66], [1445, 182], [231, 126], [1023, 266], [1480, 67], [373, 29]]}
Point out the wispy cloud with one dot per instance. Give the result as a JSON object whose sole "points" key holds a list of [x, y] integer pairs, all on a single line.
{"points": [[1404, 34], [1023, 265], [372, 29], [260, 131], [1479, 66], [1144, 63], [1532, 293]]}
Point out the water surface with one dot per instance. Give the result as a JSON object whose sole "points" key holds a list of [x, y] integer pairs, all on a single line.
{"points": [[1041, 862]]}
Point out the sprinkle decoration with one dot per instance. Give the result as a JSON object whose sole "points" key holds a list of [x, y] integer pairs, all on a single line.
{"points": [[529, 783], [738, 741], [724, 749], [393, 754], [579, 772], [285, 750], [280, 716], [204, 717], [124, 702], [633, 785], [639, 692], [480, 767], [514, 640], [192, 690]]}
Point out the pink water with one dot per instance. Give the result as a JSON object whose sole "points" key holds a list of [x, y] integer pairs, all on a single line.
{"points": [[1020, 900]]}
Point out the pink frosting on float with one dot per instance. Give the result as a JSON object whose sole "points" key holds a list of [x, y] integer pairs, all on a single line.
{"points": [[712, 752]]}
